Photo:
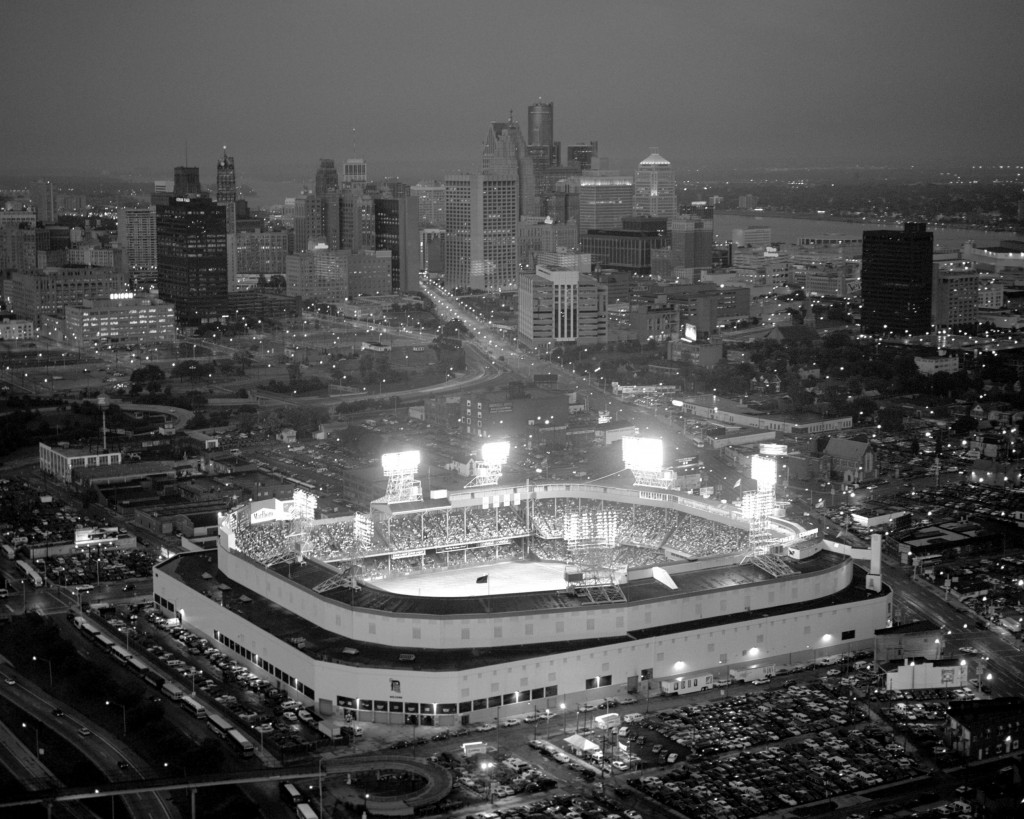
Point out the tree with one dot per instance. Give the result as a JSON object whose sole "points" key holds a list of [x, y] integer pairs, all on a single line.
{"points": [[150, 378]]}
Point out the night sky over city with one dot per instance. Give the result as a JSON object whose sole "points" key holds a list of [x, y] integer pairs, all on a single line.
{"points": [[122, 88]]}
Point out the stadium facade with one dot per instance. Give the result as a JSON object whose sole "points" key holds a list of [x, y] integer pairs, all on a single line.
{"points": [[308, 605]]}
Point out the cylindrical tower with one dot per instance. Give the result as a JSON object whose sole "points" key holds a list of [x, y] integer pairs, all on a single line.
{"points": [[541, 124]]}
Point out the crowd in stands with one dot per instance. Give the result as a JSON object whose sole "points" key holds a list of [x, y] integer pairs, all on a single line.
{"points": [[697, 537], [642, 534], [430, 531]]}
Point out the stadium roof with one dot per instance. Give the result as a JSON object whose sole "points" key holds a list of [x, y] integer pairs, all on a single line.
{"points": [[189, 568]]}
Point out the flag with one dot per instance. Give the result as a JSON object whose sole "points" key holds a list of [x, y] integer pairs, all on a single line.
{"points": [[738, 482], [482, 578]]}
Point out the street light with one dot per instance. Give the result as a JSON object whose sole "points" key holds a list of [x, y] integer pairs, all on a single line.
{"points": [[487, 767], [49, 665], [124, 717], [320, 777], [562, 706], [35, 728]]}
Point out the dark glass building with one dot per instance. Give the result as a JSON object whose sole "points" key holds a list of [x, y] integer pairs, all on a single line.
{"points": [[191, 257], [896, 280]]}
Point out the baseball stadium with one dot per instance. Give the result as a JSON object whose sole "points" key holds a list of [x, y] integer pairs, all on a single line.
{"points": [[501, 600]]}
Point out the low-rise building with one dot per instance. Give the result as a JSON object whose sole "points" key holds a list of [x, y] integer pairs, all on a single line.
{"points": [[978, 729], [62, 462]]}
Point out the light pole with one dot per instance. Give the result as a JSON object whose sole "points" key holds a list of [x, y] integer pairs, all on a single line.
{"points": [[547, 719], [320, 778], [124, 717], [487, 767], [562, 706], [35, 728], [49, 665]]}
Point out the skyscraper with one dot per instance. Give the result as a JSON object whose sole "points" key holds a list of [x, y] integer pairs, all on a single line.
{"points": [[480, 231], [186, 181], [581, 154], [654, 190], [354, 172], [540, 128], [605, 199], [896, 280], [227, 192], [506, 155], [136, 235], [396, 228], [192, 264], [430, 197], [326, 177]]}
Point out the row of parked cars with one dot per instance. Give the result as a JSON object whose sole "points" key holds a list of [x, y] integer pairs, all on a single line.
{"points": [[769, 779]]}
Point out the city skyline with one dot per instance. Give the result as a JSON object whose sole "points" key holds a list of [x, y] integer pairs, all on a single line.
{"points": [[724, 85]]}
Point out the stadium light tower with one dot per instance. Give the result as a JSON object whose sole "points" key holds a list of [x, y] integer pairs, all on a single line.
{"points": [[758, 506], [493, 456], [646, 459], [400, 470]]}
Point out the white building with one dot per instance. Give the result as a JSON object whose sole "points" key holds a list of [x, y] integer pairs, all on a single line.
{"points": [[560, 305], [61, 463]]}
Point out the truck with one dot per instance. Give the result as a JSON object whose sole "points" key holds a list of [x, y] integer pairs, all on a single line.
{"points": [[687, 685], [761, 672]]}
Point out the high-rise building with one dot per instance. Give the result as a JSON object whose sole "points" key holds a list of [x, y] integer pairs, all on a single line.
{"points": [[628, 247], [654, 188], [37, 292], [543, 235], [396, 228], [605, 199], [561, 305], [192, 263], [136, 236], [506, 155], [18, 238], [354, 172], [186, 181], [581, 155], [430, 200], [540, 121], [956, 296], [227, 189], [326, 178], [480, 231], [896, 280], [689, 256]]}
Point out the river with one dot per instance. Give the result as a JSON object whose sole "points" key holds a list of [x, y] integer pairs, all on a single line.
{"points": [[788, 229]]}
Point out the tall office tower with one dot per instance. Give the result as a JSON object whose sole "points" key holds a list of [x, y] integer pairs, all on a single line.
{"points": [[430, 200], [354, 172], [45, 202], [136, 236], [326, 178], [896, 280], [605, 199], [506, 155], [227, 190], [186, 181], [396, 228], [581, 154], [654, 189], [302, 220], [18, 242], [693, 243], [540, 130], [560, 304], [480, 231], [191, 257]]}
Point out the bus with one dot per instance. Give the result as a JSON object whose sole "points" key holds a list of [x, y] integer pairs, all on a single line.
{"points": [[121, 655], [194, 707], [240, 742], [289, 794], [139, 667], [219, 725], [89, 630], [30, 573], [9, 551], [105, 641], [304, 811], [154, 679]]}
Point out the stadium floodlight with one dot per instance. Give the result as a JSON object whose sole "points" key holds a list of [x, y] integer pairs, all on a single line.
{"points": [[645, 457], [495, 452], [400, 470], [395, 462], [774, 450], [764, 470], [493, 456], [643, 453]]}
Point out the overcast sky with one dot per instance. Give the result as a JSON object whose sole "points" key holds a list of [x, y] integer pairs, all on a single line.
{"points": [[121, 87]]}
